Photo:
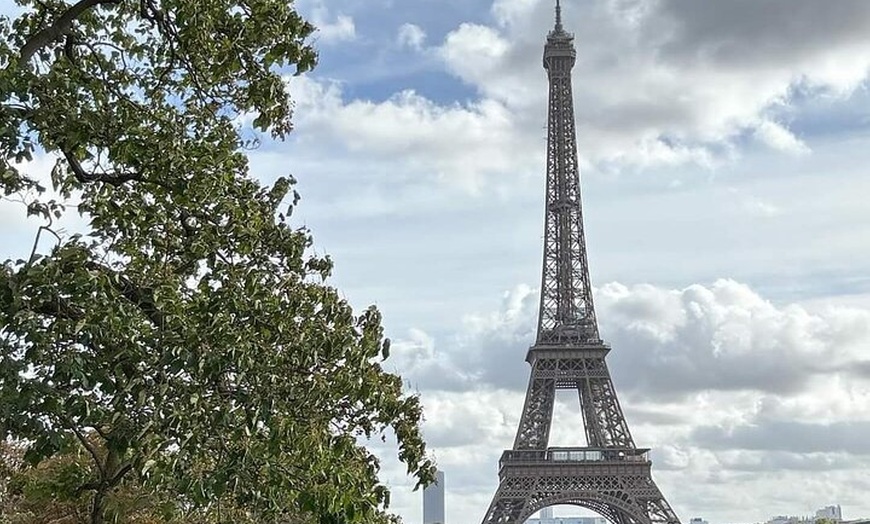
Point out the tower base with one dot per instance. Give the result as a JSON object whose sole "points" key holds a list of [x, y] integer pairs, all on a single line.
{"points": [[614, 482]]}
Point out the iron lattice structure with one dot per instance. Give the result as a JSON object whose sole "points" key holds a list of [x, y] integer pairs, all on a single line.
{"points": [[610, 475]]}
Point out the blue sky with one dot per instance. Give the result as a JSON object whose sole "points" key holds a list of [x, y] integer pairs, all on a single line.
{"points": [[373, 67], [724, 148]]}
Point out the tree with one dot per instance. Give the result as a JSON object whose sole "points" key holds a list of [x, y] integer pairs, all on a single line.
{"points": [[187, 340]]}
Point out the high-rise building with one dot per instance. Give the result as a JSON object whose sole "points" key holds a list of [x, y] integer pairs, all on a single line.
{"points": [[566, 520], [830, 512], [433, 501]]}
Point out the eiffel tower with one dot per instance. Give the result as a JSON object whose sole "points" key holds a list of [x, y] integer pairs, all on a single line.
{"points": [[609, 475]]}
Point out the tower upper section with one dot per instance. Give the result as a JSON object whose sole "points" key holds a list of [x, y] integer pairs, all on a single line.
{"points": [[559, 52], [567, 314]]}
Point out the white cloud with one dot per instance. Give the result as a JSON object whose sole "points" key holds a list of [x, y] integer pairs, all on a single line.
{"points": [[778, 137], [657, 84], [460, 144], [331, 30], [758, 207], [473, 52], [469, 418], [725, 337], [508, 11], [668, 344], [412, 36]]}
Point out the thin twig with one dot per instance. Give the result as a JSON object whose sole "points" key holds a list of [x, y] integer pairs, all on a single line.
{"points": [[39, 231]]}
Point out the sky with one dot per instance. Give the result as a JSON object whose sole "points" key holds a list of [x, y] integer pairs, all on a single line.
{"points": [[723, 150]]}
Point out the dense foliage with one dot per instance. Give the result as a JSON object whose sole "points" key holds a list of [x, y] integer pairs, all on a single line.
{"points": [[51, 493], [186, 342]]}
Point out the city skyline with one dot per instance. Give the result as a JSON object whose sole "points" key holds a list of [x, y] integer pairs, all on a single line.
{"points": [[723, 150], [572, 514]]}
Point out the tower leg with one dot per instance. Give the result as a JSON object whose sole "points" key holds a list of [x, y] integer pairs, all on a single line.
{"points": [[534, 429], [602, 414], [504, 509]]}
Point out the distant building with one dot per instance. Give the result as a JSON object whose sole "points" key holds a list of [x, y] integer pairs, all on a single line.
{"points": [[550, 519], [782, 519], [697, 520], [433, 501], [834, 513]]}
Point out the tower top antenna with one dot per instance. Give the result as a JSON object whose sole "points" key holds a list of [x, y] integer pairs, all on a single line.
{"points": [[558, 16]]}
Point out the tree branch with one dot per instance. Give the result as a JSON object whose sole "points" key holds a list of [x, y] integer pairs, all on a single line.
{"points": [[114, 178], [101, 432], [88, 486], [60, 27], [86, 444], [30, 259], [141, 297], [59, 307], [120, 474]]}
